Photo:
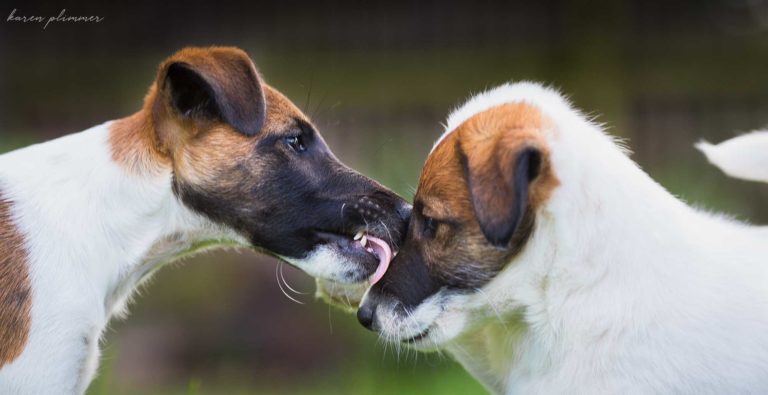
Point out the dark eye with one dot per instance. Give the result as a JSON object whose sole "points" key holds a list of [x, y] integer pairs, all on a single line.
{"points": [[429, 229], [296, 143]]}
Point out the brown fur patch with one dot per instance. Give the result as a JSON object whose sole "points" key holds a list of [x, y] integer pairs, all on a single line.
{"points": [[487, 139], [134, 142], [15, 288], [230, 70], [281, 112], [491, 139], [200, 151], [488, 144], [147, 141]]}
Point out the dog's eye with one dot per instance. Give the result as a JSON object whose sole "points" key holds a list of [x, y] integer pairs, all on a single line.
{"points": [[429, 229], [296, 143]]}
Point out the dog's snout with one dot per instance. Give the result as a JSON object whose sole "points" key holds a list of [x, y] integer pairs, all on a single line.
{"points": [[369, 208], [366, 315], [382, 212], [404, 211]]}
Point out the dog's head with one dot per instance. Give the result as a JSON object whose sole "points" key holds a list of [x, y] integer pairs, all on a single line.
{"points": [[474, 211], [246, 158]]}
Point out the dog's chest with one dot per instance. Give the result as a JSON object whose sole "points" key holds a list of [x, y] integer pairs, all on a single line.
{"points": [[491, 353]]}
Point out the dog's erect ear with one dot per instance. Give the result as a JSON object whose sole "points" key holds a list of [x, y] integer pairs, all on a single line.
{"points": [[499, 184], [213, 84]]}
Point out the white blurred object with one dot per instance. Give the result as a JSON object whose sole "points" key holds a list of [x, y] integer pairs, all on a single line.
{"points": [[744, 157]]}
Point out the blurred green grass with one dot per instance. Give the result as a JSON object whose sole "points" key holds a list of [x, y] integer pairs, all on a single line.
{"points": [[425, 374]]}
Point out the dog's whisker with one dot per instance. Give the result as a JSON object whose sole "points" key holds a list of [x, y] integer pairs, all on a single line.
{"points": [[437, 346], [319, 106], [282, 277], [386, 228], [367, 225], [415, 323], [277, 277], [412, 190], [309, 92]]}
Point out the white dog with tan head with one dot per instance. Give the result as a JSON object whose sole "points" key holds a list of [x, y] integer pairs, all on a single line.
{"points": [[546, 261]]}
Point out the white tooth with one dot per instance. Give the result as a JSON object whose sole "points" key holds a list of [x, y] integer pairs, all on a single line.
{"points": [[364, 241], [359, 235]]}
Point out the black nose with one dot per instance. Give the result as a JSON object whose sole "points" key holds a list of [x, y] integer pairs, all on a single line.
{"points": [[404, 211], [365, 315]]}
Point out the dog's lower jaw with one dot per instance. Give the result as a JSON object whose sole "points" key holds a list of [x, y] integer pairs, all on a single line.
{"points": [[322, 263]]}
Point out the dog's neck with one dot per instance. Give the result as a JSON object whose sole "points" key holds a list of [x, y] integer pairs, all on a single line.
{"points": [[131, 221], [609, 229], [134, 145]]}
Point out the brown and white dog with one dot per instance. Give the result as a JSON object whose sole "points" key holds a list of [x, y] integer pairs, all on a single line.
{"points": [[215, 157], [547, 262]]}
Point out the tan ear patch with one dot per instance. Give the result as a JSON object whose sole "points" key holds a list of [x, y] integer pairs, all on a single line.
{"points": [[485, 138], [15, 288], [494, 136], [230, 81], [491, 145], [207, 158], [145, 142]]}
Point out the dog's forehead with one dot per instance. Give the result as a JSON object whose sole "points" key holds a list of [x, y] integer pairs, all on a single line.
{"points": [[442, 189], [443, 182], [282, 114], [485, 128]]}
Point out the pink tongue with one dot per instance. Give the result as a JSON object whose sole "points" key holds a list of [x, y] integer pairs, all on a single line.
{"points": [[382, 250]]}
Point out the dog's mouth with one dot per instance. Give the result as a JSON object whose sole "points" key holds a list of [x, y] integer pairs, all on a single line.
{"points": [[379, 248], [372, 252], [413, 340]]}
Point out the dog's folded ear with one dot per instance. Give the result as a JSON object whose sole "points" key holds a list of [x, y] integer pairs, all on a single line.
{"points": [[499, 180], [212, 84]]}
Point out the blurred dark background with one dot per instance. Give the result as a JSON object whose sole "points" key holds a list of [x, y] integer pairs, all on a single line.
{"points": [[378, 78]]}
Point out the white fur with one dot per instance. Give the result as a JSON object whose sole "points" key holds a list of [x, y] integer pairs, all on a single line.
{"points": [[622, 288], [316, 264], [93, 234], [741, 157]]}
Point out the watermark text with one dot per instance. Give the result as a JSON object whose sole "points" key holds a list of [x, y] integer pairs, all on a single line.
{"points": [[15, 17]]}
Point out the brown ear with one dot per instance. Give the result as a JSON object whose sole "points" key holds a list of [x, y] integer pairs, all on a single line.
{"points": [[499, 179], [212, 84]]}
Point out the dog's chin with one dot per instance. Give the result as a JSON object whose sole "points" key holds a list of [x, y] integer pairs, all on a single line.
{"points": [[336, 263], [429, 326], [344, 266], [345, 286]]}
